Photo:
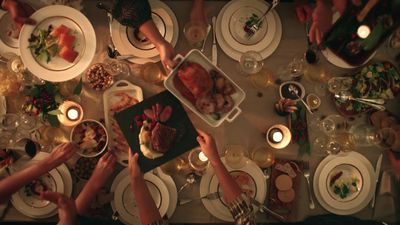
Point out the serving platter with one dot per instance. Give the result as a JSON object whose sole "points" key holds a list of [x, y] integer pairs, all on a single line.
{"points": [[58, 69], [118, 97]]}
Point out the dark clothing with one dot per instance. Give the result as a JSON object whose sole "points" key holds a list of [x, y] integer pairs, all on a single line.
{"points": [[132, 13]]}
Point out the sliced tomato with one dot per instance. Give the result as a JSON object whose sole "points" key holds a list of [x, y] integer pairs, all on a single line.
{"points": [[66, 40], [62, 29], [68, 54]]}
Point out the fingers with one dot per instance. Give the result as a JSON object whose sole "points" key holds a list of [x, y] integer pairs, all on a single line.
{"points": [[318, 36], [311, 34], [201, 141], [51, 196], [300, 14], [25, 20], [309, 12]]}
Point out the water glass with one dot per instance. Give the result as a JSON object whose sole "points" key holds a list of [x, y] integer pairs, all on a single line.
{"points": [[197, 160], [152, 73], [263, 156], [251, 62], [338, 84], [263, 79], [195, 33], [295, 68], [9, 121], [117, 68], [235, 156]]}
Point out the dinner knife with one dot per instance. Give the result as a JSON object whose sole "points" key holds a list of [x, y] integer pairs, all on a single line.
{"points": [[214, 55], [264, 208], [377, 173]]}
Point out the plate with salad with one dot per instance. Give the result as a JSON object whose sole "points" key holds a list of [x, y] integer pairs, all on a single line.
{"points": [[60, 46], [380, 80]]}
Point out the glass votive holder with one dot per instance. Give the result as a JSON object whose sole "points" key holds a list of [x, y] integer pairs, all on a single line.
{"points": [[71, 113], [278, 136], [263, 156], [197, 160]]}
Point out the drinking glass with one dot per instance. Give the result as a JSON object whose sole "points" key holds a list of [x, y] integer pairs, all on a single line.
{"points": [[235, 156], [295, 68], [263, 156], [117, 68], [338, 84], [366, 135], [250, 62], [198, 161], [9, 121], [195, 33], [263, 79], [152, 73], [333, 147], [27, 122], [320, 142]]}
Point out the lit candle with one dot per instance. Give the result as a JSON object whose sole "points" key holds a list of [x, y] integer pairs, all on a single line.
{"points": [[277, 136], [363, 31], [73, 113], [202, 157]]}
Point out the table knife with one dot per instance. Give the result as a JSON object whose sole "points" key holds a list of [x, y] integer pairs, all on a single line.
{"points": [[214, 55], [377, 173], [264, 208]]}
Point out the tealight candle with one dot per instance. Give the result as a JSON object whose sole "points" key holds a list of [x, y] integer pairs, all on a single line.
{"points": [[202, 157], [363, 31], [73, 113], [278, 136]]}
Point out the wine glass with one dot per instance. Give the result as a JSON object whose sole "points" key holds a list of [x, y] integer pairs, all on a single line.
{"points": [[263, 156], [117, 68], [263, 79], [250, 62], [338, 84], [295, 68], [198, 161], [27, 122], [235, 156], [195, 32], [152, 73], [9, 121]]}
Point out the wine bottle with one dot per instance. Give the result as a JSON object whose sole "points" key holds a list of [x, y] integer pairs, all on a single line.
{"points": [[357, 34]]}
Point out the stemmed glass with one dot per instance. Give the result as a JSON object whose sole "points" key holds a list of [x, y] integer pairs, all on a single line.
{"points": [[251, 62], [117, 68], [235, 156], [295, 68]]}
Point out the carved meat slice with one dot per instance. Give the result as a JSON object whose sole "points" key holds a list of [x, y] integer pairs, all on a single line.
{"points": [[165, 114], [196, 79], [162, 137]]}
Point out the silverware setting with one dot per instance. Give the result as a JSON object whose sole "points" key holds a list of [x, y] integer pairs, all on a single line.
{"points": [[253, 27], [306, 174], [295, 92], [210, 196], [214, 54], [115, 216], [265, 209], [205, 39], [191, 178], [375, 103]]}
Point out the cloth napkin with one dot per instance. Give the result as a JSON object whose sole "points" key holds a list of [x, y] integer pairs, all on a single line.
{"points": [[386, 200]]}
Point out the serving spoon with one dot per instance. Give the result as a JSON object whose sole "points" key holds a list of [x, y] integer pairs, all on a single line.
{"points": [[294, 91], [375, 103]]}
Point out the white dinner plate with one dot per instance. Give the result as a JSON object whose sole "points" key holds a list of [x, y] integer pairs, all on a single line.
{"points": [[33, 205], [173, 193], [209, 184], [320, 183], [233, 22], [68, 184], [7, 43], [124, 202], [58, 69], [126, 43], [235, 53]]}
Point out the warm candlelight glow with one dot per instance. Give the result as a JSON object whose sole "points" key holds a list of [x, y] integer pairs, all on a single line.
{"points": [[72, 113], [363, 31], [202, 157], [277, 136]]}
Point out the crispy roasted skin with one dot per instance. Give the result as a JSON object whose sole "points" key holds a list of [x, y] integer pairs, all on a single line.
{"points": [[162, 137], [195, 78]]}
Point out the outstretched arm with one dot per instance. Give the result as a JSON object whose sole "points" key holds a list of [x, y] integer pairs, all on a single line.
{"points": [[104, 168], [13, 183]]}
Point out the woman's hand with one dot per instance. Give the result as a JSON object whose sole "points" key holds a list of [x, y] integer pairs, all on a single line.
{"points": [[60, 154], [133, 166], [322, 21], [303, 11], [208, 146], [167, 54], [104, 168], [19, 11], [66, 207]]}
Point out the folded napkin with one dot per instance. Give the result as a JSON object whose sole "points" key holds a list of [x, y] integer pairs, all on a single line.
{"points": [[386, 200]]}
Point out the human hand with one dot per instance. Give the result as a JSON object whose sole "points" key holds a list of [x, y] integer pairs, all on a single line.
{"points": [[60, 154], [66, 207], [103, 170], [395, 163], [19, 11], [208, 146], [133, 166], [303, 11], [167, 54], [322, 21], [340, 5]]}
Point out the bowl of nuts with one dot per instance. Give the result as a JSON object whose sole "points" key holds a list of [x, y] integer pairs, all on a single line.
{"points": [[98, 77]]}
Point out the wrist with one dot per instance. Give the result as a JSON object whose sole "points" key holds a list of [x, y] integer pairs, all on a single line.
{"points": [[216, 162]]}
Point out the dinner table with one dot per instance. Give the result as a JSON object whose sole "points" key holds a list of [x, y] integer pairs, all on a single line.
{"points": [[248, 129]]}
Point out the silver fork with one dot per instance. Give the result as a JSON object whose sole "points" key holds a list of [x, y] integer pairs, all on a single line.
{"points": [[210, 196], [253, 27], [306, 174]]}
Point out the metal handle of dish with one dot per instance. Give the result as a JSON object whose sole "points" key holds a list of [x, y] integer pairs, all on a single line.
{"points": [[232, 118], [370, 100], [376, 106]]}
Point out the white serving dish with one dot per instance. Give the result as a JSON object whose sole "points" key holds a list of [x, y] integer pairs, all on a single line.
{"points": [[196, 56], [109, 99]]}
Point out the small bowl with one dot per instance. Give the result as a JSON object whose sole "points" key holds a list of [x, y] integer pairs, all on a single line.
{"points": [[101, 137], [84, 167], [284, 90], [313, 101]]}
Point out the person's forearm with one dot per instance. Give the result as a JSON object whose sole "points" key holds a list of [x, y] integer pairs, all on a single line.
{"points": [[150, 31], [16, 181], [228, 185], [86, 196], [147, 208]]}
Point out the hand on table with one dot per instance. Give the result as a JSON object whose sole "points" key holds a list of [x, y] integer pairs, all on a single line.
{"points": [[66, 207], [20, 12], [60, 154], [208, 146], [322, 21], [303, 11], [167, 54], [104, 168]]}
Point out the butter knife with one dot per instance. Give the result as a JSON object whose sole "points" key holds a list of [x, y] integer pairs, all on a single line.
{"points": [[377, 174], [214, 55]]}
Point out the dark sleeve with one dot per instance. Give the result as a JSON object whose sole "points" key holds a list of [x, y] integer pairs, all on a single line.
{"points": [[132, 13]]}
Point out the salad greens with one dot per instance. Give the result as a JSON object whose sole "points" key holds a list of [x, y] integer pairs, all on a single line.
{"points": [[43, 44]]}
